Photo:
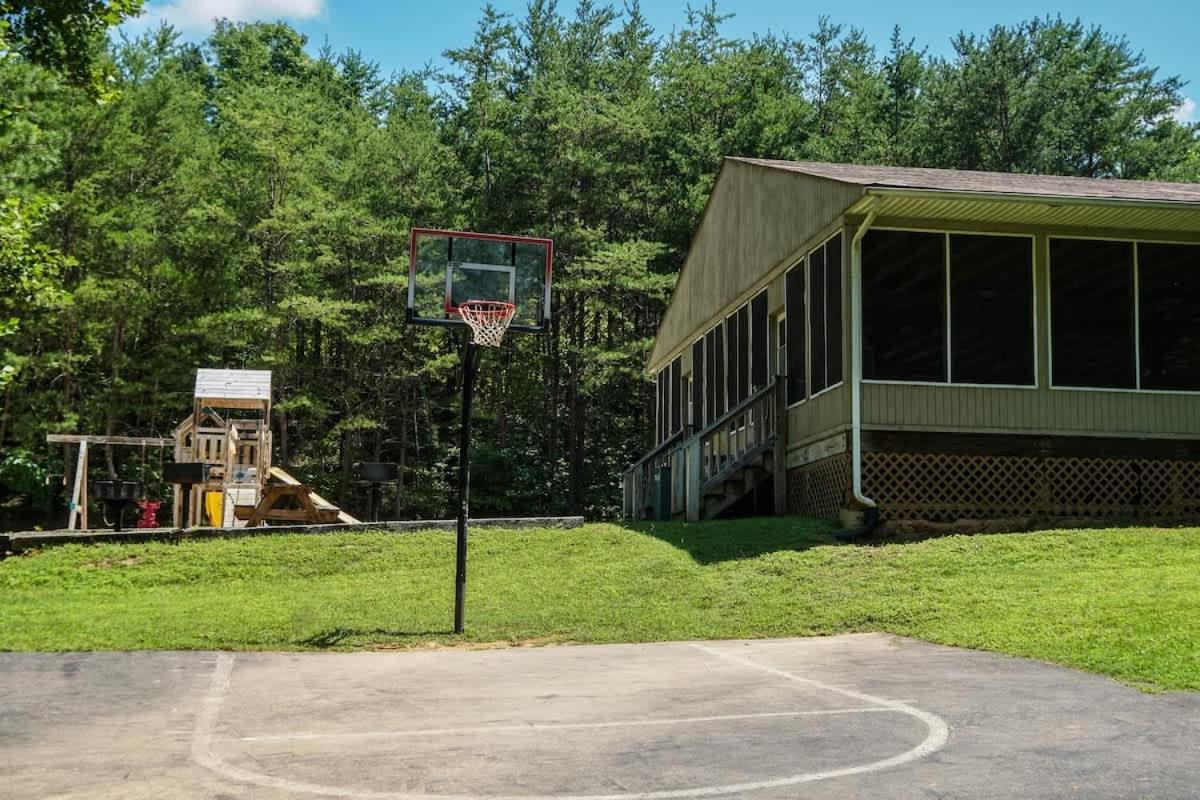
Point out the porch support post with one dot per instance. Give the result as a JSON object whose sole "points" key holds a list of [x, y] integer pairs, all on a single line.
{"points": [[691, 466], [779, 457]]}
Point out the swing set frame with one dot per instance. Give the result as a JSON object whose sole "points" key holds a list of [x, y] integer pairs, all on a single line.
{"points": [[79, 493]]}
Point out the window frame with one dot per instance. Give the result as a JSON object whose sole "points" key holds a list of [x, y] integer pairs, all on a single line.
{"points": [[778, 320], [802, 265], [825, 314], [1137, 316], [946, 233]]}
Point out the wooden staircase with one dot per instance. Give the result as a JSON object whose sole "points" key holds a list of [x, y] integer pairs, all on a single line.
{"points": [[711, 471], [742, 477]]}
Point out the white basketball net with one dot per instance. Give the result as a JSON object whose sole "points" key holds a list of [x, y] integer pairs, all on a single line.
{"points": [[488, 319]]}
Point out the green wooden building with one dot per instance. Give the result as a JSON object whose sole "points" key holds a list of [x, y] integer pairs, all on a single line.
{"points": [[935, 344]]}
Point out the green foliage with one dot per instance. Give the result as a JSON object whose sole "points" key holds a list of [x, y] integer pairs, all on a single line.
{"points": [[245, 203], [29, 273], [62, 35], [23, 471], [1117, 602]]}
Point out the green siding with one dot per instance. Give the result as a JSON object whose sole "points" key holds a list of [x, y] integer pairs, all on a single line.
{"points": [[818, 416], [1064, 411]]}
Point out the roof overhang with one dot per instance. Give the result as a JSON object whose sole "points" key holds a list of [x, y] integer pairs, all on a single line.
{"points": [[1031, 210]]}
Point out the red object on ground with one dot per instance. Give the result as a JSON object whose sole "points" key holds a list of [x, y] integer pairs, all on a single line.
{"points": [[149, 517]]}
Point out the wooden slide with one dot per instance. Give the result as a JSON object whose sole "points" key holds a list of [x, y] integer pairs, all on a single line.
{"points": [[286, 479]]}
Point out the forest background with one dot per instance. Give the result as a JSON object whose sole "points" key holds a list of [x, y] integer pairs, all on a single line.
{"points": [[241, 203]]}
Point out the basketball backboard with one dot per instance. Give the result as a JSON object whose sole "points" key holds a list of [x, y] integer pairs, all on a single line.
{"points": [[447, 268]]}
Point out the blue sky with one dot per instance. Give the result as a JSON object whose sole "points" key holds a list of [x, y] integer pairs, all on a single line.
{"points": [[399, 34]]}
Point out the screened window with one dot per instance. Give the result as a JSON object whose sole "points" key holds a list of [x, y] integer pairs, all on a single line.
{"points": [[833, 310], [825, 314], [816, 320], [1169, 313], [737, 349], [797, 386], [689, 410], [698, 366], [759, 352], [991, 309], [714, 384], [732, 361], [1092, 313], [741, 360], [903, 306], [660, 406], [719, 372], [676, 385], [781, 346]]}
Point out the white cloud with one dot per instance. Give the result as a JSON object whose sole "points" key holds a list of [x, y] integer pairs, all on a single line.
{"points": [[1186, 113], [199, 14]]}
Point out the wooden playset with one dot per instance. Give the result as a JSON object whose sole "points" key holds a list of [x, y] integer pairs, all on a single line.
{"points": [[227, 438]]}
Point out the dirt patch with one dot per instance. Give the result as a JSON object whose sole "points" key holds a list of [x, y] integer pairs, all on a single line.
{"points": [[500, 644], [109, 563]]}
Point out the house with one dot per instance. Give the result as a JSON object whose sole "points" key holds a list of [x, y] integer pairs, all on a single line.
{"points": [[935, 344]]}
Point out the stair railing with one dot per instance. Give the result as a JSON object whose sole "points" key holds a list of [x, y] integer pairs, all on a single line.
{"points": [[639, 479], [724, 445], [744, 430]]}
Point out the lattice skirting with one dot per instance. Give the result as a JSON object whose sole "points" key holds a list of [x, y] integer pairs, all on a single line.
{"points": [[947, 487], [819, 489]]}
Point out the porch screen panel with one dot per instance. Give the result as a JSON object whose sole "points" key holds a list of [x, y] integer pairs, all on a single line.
{"points": [[719, 371], [991, 309], [1091, 313], [676, 381], [711, 381], [733, 359], [833, 310], [816, 320], [904, 306], [759, 351], [744, 354], [797, 385], [660, 406], [698, 383], [1169, 305]]}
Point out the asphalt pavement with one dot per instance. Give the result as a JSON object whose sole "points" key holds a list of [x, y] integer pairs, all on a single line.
{"points": [[849, 716]]}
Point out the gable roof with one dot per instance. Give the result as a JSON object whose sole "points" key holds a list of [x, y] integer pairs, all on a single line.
{"points": [[1000, 183]]}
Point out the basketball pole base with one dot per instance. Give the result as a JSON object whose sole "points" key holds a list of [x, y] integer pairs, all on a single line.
{"points": [[471, 355]]}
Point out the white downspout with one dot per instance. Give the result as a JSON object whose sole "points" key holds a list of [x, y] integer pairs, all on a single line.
{"points": [[856, 355]]}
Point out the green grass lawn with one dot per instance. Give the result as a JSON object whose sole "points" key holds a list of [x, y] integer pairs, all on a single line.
{"points": [[1123, 602]]}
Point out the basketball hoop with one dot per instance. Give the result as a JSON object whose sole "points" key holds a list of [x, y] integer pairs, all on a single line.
{"points": [[488, 320]]}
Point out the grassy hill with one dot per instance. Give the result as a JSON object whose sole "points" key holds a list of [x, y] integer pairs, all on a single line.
{"points": [[1123, 602]]}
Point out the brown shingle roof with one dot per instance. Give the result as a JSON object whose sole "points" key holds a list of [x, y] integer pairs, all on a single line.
{"points": [[951, 180]]}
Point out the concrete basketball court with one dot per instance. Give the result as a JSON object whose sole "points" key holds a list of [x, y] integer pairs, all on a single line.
{"points": [[850, 716]]}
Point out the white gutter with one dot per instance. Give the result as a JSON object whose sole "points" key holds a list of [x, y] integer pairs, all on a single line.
{"points": [[856, 355]]}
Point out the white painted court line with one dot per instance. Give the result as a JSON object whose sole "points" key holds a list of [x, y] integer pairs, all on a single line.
{"points": [[555, 726], [206, 720]]}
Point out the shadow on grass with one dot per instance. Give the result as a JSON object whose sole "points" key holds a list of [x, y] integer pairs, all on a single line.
{"points": [[737, 539], [341, 637]]}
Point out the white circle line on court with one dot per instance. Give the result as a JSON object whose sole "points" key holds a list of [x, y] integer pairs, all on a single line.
{"points": [[203, 754], [557, 726]]}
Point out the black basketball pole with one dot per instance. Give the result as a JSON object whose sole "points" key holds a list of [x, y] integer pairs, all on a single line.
{"points": [[471, 355]]}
